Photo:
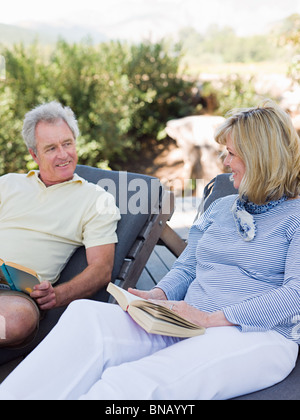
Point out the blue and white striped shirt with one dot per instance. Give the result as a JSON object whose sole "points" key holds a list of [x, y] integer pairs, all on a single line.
{"points": [[256, 284]]}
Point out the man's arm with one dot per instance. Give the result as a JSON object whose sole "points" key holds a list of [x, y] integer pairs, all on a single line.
{"points": [[100, 261]]}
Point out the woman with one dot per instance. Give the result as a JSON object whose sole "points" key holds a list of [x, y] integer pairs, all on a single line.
{"points": [[238, 277]]}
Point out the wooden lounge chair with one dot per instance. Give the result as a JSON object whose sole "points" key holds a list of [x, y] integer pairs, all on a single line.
{"points": [[289, 389], [138, 234], [145, 207]]}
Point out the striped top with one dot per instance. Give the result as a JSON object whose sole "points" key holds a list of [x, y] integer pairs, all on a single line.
{"points": [[256, 284]]}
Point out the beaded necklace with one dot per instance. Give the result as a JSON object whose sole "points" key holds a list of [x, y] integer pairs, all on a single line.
{"points": [[243, 211]]}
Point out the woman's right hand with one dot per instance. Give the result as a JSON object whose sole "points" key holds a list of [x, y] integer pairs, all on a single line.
{"points": [[156, 293]]}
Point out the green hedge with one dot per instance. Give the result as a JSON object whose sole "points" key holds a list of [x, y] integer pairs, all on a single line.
{"points": [[120, 93]]}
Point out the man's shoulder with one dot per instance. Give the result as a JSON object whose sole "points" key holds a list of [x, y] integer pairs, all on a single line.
{"points": [[11, 177], [93, 193], [85, 185]]}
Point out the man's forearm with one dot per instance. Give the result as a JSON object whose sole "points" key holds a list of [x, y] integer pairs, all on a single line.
{"points": [[100, 260], [84, 285]]}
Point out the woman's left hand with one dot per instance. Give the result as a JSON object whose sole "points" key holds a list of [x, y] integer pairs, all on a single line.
{"points": [[187, 312], [194, 315]]}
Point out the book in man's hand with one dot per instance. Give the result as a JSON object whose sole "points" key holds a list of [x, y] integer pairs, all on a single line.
{"points": [[155, 319], [17, 277]]}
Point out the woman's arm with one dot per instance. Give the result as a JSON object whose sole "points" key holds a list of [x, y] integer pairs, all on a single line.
{"points": [[156, 293], [176, 283], [280, 305], [203, 319]]}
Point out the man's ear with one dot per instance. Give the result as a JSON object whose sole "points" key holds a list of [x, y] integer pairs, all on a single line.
{"points": [[34, 155]]}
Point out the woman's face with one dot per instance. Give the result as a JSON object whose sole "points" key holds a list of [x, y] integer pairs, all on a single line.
{"points": [[236, 164]]}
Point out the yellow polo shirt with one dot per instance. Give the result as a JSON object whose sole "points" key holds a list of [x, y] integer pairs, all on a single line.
{"points": [[41, 227]]}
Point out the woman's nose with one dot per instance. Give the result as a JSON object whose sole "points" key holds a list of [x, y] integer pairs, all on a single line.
{"points": [[227, 160]]}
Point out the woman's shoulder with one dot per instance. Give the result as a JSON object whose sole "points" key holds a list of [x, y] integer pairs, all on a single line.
{"points": [[220, 207], [222, 203], [289, 209], [291, 216]]}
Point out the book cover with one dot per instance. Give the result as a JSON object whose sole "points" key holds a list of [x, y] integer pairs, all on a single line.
{"points": [[16, 277]]}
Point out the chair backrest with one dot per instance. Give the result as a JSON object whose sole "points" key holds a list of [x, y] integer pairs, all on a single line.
{"points": [[144, 208], [218, 187], [137, 196]]}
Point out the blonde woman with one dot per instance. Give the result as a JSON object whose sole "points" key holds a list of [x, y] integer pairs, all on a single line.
{"points": [[239, 277]]}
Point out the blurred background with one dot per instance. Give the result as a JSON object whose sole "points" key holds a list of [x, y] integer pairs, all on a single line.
{"points": [[129, 67]]}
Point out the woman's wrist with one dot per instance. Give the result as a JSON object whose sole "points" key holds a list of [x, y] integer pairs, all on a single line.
{"points": [[158, 293], [217, 319]]}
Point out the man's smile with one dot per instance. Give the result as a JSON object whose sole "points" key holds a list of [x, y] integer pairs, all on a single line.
{"points": [[62, 165]]}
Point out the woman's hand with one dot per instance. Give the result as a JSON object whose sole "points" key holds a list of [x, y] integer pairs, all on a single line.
{"points": [[156, 293], [188, 312]]}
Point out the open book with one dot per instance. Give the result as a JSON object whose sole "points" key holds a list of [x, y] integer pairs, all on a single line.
{"points": [[154, 318], [16, 277]]}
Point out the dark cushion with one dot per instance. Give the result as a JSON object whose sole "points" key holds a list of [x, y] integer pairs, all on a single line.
{"points": [[289, 389], [137, 196], [217, 188]]}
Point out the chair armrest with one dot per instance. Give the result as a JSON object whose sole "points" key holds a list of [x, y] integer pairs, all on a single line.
{"points": [[171, 240], [143, 247]]}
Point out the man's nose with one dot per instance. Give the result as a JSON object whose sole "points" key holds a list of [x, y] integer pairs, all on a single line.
{"points": [[62, 153]]}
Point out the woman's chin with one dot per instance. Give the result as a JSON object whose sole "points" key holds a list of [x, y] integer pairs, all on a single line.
{"points": [[236, 182]]}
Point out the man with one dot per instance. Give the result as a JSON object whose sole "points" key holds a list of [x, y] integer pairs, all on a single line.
{"points": [[44, 216]]}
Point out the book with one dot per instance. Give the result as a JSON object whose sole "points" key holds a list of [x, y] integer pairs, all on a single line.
{"points": [[17, 277], [153, 318]]}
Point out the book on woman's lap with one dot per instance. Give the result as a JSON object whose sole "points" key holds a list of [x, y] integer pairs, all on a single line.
{"points": [[154, 318], [17, 277]]}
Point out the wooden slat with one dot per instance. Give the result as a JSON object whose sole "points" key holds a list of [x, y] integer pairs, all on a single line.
{"points": [[145, 281], [158, 265], [172, 241], [167, 257]]}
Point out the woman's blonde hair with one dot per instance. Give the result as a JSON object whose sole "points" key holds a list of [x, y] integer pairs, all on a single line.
{"points": [[267, 142]]}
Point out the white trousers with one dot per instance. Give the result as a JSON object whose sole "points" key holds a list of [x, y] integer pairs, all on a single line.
{"points": [[97, 352]]}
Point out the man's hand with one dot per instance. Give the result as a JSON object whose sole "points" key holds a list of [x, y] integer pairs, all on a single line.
{"points": [[44, 295]]}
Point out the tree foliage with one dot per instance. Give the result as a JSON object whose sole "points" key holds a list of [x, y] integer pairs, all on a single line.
{"points": [[159, 92], [223, 45], [123, 93], [288, 31], [119, 93]]}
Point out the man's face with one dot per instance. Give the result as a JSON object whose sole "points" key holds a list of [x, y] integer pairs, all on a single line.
{"points": [[56, 152]]}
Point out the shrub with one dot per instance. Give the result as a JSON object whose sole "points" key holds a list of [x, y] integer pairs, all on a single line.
{"points": [[120, 93]]}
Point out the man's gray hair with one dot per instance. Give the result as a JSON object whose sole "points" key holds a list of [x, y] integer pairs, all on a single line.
{"points": [[50, 112]]}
